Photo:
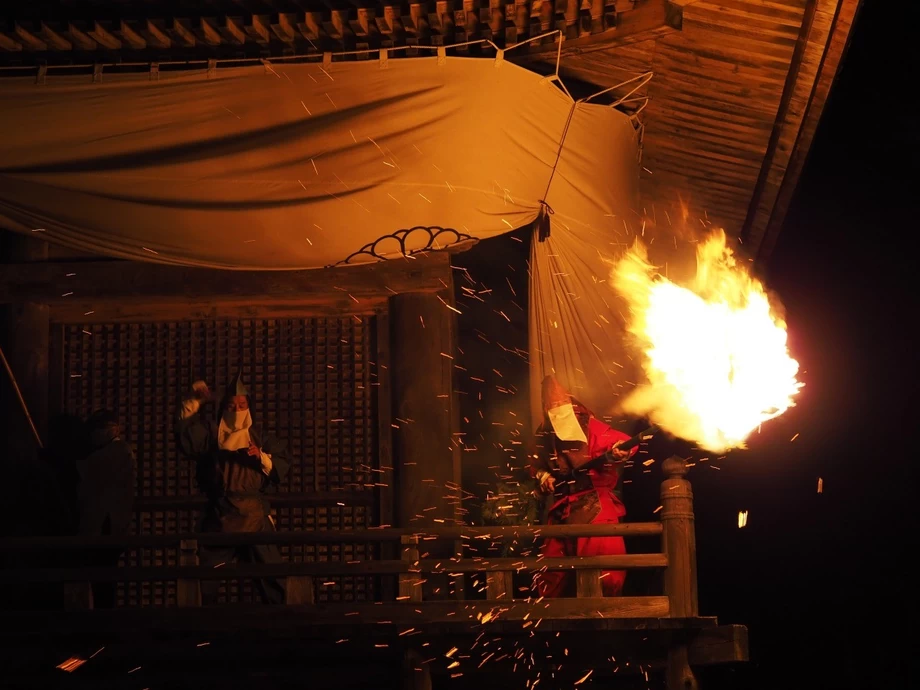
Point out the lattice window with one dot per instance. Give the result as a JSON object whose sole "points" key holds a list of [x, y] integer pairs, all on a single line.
{"points": [[311, 381]]}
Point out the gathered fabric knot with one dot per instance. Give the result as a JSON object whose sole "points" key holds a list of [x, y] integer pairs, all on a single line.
{"points": [[543, 221]]}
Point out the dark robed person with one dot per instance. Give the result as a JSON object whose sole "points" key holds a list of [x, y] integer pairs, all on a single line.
{"points": [[235, 464], [105, 494]]}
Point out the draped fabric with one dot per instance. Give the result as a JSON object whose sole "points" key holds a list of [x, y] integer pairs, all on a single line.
{"points": [[296, 166]]}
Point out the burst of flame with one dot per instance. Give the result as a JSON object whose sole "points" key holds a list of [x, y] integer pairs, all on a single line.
{"points": [[714, 350]]}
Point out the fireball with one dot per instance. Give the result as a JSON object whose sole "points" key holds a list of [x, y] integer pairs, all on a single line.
{"points": [[714, 350]]}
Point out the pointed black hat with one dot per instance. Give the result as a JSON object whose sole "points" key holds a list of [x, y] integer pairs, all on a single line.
{"points": [[237, 387]]}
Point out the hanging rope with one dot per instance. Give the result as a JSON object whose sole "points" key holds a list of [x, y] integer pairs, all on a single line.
{"points": [[25, 408], [543, 219]]}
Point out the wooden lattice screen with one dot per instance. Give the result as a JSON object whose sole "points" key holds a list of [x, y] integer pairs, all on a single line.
{"points": [[312, 382]]}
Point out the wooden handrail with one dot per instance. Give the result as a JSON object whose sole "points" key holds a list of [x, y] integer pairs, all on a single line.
{"points": [[314, 498], [624, 529], [387, 567]]}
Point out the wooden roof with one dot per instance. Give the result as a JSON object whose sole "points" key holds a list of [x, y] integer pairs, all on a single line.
{"points": [[738, 87]]}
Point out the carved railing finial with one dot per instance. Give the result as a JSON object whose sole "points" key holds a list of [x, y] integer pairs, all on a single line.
{"points": [[675, 467]]}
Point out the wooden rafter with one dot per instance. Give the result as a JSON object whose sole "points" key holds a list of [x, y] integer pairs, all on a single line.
{"points": [[182, 31], [105, 38], [206, 28], [156, 34], [325, 28], [29, 40], [821, 47], [125, 290], [231, 28], [55, 40], [131, 36], [80, 38]]}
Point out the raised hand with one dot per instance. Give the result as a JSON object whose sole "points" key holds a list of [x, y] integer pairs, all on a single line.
{"points": [[201, 391]]}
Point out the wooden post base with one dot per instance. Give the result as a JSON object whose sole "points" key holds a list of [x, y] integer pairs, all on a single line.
{"points": [[416, 673], [679, 675]]}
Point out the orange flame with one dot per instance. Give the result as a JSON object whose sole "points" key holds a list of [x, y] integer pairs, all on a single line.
{"points": [[714, 350]]}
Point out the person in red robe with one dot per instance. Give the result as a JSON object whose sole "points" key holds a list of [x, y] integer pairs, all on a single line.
{"points": [[576, 460]]}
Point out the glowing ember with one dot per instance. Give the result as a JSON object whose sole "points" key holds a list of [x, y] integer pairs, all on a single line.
{"points": [[714, 350]]}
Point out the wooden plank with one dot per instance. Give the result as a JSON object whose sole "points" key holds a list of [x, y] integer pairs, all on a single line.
{"points": [[724, 644], [796, 131], [409, 568], [623, 529], [637, 613], [135, 288]]}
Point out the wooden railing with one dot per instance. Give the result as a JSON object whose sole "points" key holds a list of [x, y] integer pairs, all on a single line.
{"points": [[677, 557]]}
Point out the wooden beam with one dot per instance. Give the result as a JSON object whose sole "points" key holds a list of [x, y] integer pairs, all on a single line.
{"points": [[285, 27], [231, 28], [125, 290], [644, 23], [725, 644], [156, 34], [81, 40], [258, 27], [674, 13], [207, 29], [54, 39], [607, 613], [131, 36], [412, 564], [797, 123], [29, 40], [351, 498], [8, 44], [27, 328], [104, 37], [423, 340], [181, 29]]}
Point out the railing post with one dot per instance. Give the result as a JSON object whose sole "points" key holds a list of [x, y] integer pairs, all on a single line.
{"points": [[679, 539], [588, 583], [78, 596], [188, 592], [679, 544], [500, 585], [410, 584]]}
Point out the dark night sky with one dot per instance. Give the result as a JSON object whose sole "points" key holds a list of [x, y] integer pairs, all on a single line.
{"points": [[822, 580]]}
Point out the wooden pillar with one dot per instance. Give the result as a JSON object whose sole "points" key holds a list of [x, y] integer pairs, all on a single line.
{"points": [[679, 544], [26, 327], [188, 592], [426, 456], [416, 673]]}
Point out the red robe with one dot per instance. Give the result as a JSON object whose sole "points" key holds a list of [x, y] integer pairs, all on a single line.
{"points": [[582, 497]]}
